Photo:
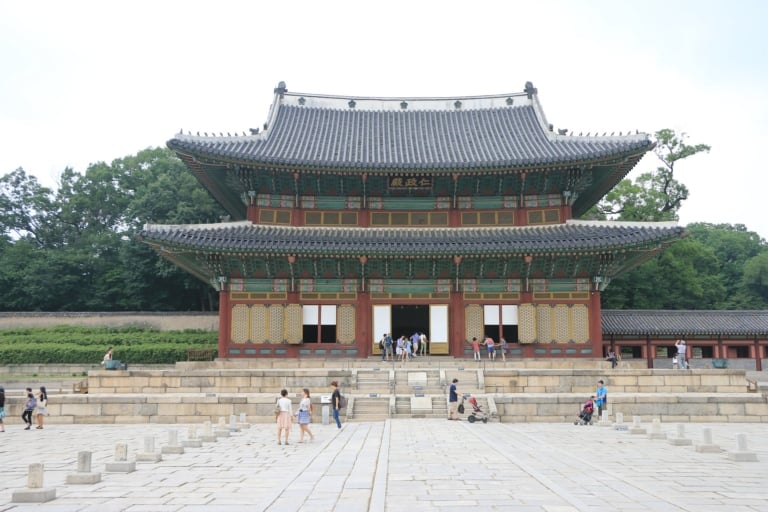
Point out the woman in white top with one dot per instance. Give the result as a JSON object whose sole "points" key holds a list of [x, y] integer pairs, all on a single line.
{"points": [[42, 406], [304, 415], [284, 416]]}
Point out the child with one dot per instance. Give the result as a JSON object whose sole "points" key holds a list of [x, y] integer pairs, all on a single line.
{"points": [[475, 349], [26, 416]]}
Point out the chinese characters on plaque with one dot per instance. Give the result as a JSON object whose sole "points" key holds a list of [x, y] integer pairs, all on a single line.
{"points": [[409, 182]]}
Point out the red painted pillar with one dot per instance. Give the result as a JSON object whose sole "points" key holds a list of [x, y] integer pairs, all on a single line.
{"points": [[225, 321], [363, 337], [456, 326], [252, 214], [595, 324]]}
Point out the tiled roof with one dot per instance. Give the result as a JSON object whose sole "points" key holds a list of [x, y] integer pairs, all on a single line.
{"points": [[684, 323], [574, 236], [440, 134]]}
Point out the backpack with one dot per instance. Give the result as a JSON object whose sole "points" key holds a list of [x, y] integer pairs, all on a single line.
{"points": [[342, 401]]}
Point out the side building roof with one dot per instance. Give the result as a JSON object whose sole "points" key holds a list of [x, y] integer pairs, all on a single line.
{"points": [[683, 323]]}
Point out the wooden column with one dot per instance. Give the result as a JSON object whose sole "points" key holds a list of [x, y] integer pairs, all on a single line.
{"points": [[456, 325], [595, 324], [363, 324], [225, 321], [252, 213]]}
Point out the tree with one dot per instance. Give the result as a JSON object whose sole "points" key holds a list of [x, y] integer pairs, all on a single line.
{"points": [[684, 276], [755, 277], [73, 249], [654, 196], [26, 208]]}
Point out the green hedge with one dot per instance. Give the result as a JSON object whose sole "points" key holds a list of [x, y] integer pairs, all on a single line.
{"points": [[87, 345]]}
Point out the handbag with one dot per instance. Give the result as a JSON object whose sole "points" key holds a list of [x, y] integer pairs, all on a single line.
{"points": [[461, 408]]}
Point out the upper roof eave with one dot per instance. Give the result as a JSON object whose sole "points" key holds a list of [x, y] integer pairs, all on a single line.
{"points": [[406, 133]]}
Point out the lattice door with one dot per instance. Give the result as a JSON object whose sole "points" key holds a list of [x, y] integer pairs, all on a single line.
{"points": [[239, 331], [526, 328], [544, 323], [580, 314], [275, 314], [473, 322], [562, 324], [293, 323], [345, 324], [258, 325]]}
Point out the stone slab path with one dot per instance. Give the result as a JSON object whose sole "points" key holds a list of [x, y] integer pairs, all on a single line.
{"points": [[395, 466]]}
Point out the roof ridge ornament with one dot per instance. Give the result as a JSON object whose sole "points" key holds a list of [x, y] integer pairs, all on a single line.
{"points": [[281, 88], [530, 90]]}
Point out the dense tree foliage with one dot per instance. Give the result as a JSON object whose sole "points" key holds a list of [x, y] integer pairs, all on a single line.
{"points": [[72, 249], [715, 267]]}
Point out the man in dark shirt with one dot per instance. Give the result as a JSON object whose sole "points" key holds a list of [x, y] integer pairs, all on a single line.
{"points": [[453, 401]]}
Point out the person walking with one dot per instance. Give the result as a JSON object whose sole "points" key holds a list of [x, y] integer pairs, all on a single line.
{"points": [[304, 415], [491, 346], [29, 408], [400, 347], [503, 348], [408, 351], [475, 349], [453, 401], [285, 416], [42, 404], [423, 344], [2, 408], [388, 346], [601, 398], [682, 354], [336, 402], [383, 346]]}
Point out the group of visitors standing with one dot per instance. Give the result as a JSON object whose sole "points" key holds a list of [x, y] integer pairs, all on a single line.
{"points": [[285, 416], [490, 346], [405, 347], [35, 405]]}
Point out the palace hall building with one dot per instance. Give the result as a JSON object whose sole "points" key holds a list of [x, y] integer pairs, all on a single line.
{"points": [[351, 217]]}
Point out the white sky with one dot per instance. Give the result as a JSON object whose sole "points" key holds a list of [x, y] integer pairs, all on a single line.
{"points": [[82, 82]]}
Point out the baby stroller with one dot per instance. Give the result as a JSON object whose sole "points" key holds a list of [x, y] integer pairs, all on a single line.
{"points": [[585, 416], [477, 413]]}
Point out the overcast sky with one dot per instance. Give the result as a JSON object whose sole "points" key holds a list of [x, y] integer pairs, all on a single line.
{"points": [[83, 82]]}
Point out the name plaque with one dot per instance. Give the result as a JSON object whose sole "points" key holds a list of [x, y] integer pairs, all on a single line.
{"points": [[409, 182]]}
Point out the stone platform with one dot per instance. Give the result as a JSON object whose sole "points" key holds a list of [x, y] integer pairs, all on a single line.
{"points": [[378, 390]]}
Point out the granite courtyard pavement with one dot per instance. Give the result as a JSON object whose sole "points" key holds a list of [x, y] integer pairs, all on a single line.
{"points": [[394, 465]]}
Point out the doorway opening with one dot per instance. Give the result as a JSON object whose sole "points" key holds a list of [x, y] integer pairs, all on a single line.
{"points": [[407, 319]]}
